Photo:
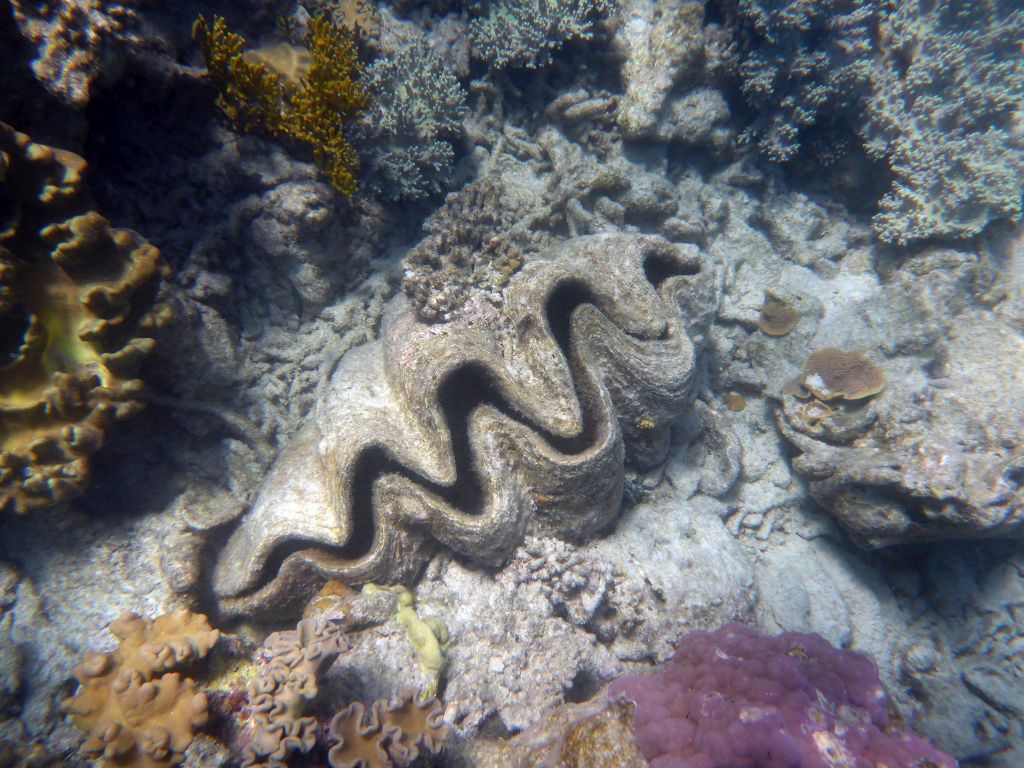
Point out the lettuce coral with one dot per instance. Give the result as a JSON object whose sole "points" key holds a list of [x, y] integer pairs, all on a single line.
{"points": [[315, 112], [279, 694], [135, 711], [387, 735], [76, 310]]}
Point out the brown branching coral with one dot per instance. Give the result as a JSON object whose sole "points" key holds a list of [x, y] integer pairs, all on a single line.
{"points": [[76, 311], [279, 695], [135, 711], [466, 252], [390, 735], [315, 111]]}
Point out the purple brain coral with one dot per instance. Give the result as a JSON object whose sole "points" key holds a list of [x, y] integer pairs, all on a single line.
{"points": [[736, 699]]}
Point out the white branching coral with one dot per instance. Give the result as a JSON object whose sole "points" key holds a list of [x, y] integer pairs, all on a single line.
{"points": [[524, 33]]}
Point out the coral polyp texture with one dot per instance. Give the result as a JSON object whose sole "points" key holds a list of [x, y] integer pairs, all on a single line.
{"points": [[134, 710], [733, 697], [76, 310], [465, 433], [315, 109]]}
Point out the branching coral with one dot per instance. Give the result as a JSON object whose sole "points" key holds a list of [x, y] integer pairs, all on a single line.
{"points": [[947, 90], [391, 735], [135, 711], [417, 109], [933, 89], [524, 33], [466, 252], [76, 308], [315, 112]]}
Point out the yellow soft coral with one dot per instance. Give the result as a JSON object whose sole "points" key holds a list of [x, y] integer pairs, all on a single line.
{"points": [[255, 96]]}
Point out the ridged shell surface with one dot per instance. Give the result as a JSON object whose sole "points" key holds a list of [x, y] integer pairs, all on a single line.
{"points": [[520, 411]]}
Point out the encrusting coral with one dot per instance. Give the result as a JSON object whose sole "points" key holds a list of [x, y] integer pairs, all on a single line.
{"points": [[76, 310], [315, 112], [135, 711], [733, 697], [464, 434]]}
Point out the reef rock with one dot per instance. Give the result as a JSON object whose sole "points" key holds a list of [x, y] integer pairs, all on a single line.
{"points": [[461, 434], [661, 41]]}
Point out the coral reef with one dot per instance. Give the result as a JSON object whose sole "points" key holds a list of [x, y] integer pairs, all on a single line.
{"points": [[586, 363], [467, 253], [279, 694], [391, 735], [316, 112], [77, 305], [72, 38], [135, 711], [933, 91], [416, 110], [912, 463], [945, 99], [734, 697], [525, 33]]}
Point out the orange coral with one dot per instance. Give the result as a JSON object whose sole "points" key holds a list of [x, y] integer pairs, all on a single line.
{"points": [[132, 717]]}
